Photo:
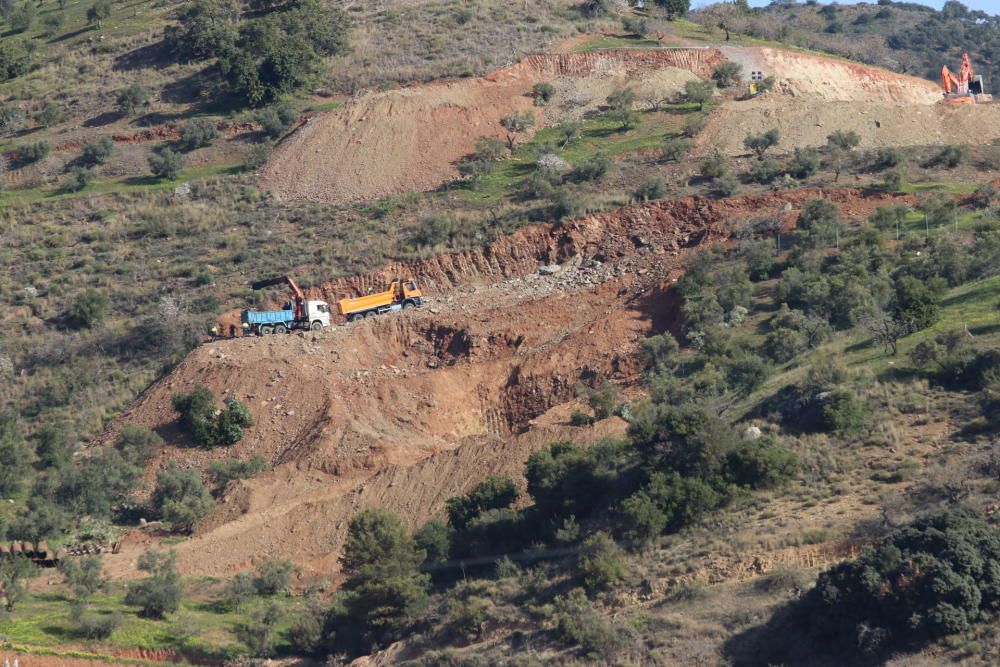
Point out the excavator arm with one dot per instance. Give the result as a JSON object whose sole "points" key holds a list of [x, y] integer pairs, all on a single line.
{"points": [[948, 80], [300, 308]]}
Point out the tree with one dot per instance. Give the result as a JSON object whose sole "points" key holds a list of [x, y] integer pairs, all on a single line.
{"points": [[699, 92], [131, 99], [675, 8], [675, 149], [276, 119], [819, 219], [98, 152], [204, 29], [15, 454], [760, 143], [160, 593], [434, 539], [23, 16], [727, 74], [260, 630], [601, 563], [620, 103], [494, 492], [384, 587], [846, 141], [50, 115], [12, 120], [53, 22], [515, 124], [181, 497], [886, 330], [88, 309], [84, 576], [79, 178], [198, 417], [99, 11], [273, 576], [14, 58], [41, 520], [542, 93], [166, 164], [14, 571]]}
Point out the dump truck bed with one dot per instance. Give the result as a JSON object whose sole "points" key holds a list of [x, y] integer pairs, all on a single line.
{"points": [[268, 316], [348, 306]]}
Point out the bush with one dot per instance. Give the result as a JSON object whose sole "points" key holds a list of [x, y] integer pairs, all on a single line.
{"points": [[935, 577], [131, 99], [489, 149], [166, 164], [208, 429], [258, 154], [727, 74], [843, 413], [50, 115], [495, 492], [762, 463], [14, 58], [259, 631], [694, 124], [79, 178], [566, 203], [12, 120], [698, 92], [96, 625], [205, 29], [804, 163], [224, 472], [181, 497], [160, 593], [726, 185], [894, 179], [714, 166], [592, 169], [34, 151], [949, 157], [578, 624], [654, 188], [765, 171], [601, 563], [99, 151], [273, 576], [675, 149], [565, 480], [88, 309], [276, 119], [542, 93], [198, 133], [884, 158], [434, 539], [22, 16]]}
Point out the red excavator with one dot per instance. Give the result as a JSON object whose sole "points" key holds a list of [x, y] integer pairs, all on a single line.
{"points": [[966, 88]]}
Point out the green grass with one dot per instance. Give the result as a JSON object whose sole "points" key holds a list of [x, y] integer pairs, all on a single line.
{"points": [[971, 306], [117, 185], [43, 622], [596, 136], [599, 42], [956, 188]]}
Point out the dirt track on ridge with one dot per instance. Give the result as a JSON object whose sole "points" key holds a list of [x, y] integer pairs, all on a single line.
{"points": [[407, 410]]}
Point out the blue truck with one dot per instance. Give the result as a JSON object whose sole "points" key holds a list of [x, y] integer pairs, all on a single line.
{"points": [[303, 314]]}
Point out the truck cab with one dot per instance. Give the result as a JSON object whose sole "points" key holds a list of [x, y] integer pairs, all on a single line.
{"points": [[318, 311]]}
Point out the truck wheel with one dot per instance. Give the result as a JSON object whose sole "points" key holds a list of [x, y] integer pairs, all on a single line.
{"points": [[265, 330], [357, 317], [371, 313], [407, 305], [280, 329], [316, 326]]}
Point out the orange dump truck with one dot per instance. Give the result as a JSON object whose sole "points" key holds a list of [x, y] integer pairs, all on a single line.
{"points": [[401, 295]]}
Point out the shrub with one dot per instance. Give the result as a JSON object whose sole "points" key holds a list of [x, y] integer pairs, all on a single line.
{"points": [[601, 563], [12, 120], [845, 141], [276, 119], [96, 625], [160, 593], [475, 170], [949, 157], [489, 149], [578, 624], [434, 539], [34, 151], [495, 492], [198, 133], [180, 497], [83, 576], [762, 463], [727, 74], [694, 124], [273, 576], [894, 178], [131, 99], [166, 164], [542, 93], [259, 631], [714, 166], [934, 577], [804, 163], [884, 158], [675, 149], [641, 518], [765, 171], [565, 480], [98, 152], [53, 22], [88, 309], [14, 58], [592, 169], [224, 472], [843, 413], [654, 188], [198, 417], [566, 203], [79, 178], [50, 115], [258, 154], [726, 185], [515, 124], [205, 29]]}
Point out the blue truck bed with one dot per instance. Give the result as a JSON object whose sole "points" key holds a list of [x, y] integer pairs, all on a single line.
{"points": [[268, 316]]}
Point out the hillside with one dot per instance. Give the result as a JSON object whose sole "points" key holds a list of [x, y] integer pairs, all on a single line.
{"points": [[692, 363]]}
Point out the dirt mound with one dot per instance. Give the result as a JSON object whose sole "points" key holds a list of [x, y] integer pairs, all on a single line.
{"points": [[407, 410], [390, 142], [832, 79], [803, 123]]}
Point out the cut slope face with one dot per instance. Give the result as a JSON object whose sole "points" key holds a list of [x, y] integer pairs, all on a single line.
{"points": [[387, 143], [407, 410]]}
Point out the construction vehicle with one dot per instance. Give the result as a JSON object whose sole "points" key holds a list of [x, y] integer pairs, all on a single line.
{"points": [[401, 295], [300, 314], [966, 88]]}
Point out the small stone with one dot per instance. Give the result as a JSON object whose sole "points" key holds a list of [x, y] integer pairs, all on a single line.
{"points": [[289, 413], [550, 269], [433, 363]]}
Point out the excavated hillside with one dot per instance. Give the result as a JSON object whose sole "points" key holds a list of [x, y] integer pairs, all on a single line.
{"points": [[407, 410], [387, 143]]}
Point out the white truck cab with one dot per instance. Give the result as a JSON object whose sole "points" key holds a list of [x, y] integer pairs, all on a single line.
{"points": [[318, 311]]}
